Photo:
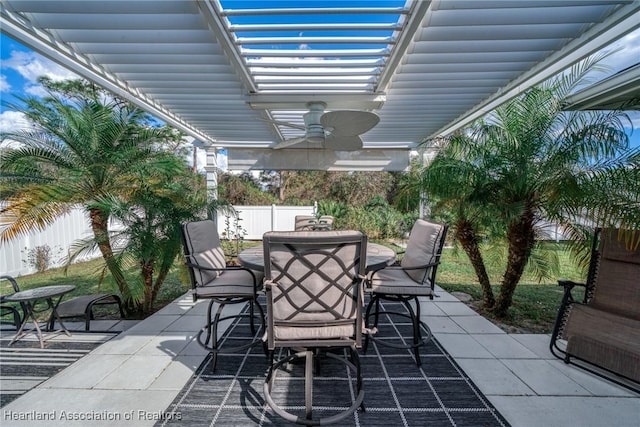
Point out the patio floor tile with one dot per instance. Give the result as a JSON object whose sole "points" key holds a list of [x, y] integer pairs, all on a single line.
{"points": [[456, 308], [563, 411], [463, 346], [177, 373], [504, 346], [477, 325], [538, 343], [107, 408], [493, 377], [544, 378], [442, 325], [136, 373], [88, 371]]}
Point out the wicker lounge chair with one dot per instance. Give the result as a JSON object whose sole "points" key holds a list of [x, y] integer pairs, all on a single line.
{"points": [[314, 286], [600, 331]]}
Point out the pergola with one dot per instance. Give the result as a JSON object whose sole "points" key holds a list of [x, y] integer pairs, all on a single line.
{"points": [[231, 73]]}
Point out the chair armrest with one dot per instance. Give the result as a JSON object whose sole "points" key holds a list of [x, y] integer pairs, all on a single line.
{"points": [[228, 268], [568, 286], [399, 267]]}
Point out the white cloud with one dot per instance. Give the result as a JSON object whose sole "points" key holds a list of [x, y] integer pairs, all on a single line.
{"points": [[12, 120], [626, 52], [30, 66], [4, 85]]}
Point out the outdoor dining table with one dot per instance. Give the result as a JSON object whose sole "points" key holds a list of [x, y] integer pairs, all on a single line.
{"points": [[378, 256], [52, 295]]}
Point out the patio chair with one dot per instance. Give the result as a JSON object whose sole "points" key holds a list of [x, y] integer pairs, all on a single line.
{"points": [[325, 222], [415, 277], [12, 309], [600, 330], [305, 222], [314, 285], [82, 307], [212, 279]]}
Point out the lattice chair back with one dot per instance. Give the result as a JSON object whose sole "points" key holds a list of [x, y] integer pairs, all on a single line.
{"points": [[314, 284]]}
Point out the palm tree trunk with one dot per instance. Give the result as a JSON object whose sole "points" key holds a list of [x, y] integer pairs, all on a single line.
{"points": [[99, 225], [146, 268], [467, 237], [162, 275], [521, 239]]}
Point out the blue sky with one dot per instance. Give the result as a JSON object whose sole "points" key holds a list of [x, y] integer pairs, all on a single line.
{"points": [[20, 67]]}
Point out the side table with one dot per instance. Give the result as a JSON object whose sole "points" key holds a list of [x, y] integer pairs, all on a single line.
{"points": [[52, 295]]}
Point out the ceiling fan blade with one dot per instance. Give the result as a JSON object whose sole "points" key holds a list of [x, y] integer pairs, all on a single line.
{"points": [[343, 142], [349, 123]]}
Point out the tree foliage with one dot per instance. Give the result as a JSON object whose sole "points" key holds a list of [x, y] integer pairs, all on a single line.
{"points": [[87, 148], [529, 163]]}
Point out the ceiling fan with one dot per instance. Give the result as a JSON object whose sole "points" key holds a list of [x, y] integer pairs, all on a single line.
{"points": [[334, 130]]}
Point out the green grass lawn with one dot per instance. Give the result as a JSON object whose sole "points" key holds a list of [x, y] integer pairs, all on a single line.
{"points": [[534, 309], [87, 278], [535, 303]]}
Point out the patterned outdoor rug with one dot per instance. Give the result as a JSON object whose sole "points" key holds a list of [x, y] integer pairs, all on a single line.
{"points": [[397, 392], [24, 364]]}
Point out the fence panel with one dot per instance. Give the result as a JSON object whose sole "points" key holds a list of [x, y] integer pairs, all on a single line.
{"points": [[60, 236], [257, 220]]}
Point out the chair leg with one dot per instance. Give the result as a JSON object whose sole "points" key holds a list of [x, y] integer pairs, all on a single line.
{"points": [[308, 383], [374, 301], [415, 321], [252, 325]]}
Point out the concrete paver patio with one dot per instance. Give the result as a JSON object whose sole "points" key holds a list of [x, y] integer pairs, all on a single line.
{"points": [[133, 378]]}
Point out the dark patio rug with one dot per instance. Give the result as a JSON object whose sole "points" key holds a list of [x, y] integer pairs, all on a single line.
{"points": [[397, 392], [24, 365]]}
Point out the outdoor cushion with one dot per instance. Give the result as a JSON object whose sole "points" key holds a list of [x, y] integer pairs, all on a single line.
{"points": [[422, 247], [396, 281], [232, 283], [203, 245]]}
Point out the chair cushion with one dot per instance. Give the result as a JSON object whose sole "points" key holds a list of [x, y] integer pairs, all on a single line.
{"points": [[396, 281], [312, 333], [422, 248], [202, 247], [232, 283]]}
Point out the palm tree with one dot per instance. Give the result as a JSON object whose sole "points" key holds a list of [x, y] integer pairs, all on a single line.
{"points": [[83, 147], [526, 162], [151, 214]]}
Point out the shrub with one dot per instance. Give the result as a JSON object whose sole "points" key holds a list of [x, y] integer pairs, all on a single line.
{"points": [[40, 257]]}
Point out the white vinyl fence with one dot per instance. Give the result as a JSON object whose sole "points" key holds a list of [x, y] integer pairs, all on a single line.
{"points": [[253, 222], [59, 237]]}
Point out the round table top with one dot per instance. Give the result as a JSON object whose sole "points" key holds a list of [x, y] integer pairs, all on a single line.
{"points": [[40, 293], [378, 256]]}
